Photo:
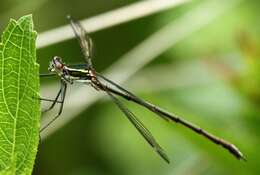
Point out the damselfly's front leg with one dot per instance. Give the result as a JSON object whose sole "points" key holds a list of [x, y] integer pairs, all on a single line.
{"points": [[54, 101], [61, 93]]}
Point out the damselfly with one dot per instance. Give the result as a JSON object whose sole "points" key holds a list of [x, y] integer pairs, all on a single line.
{"points": [[69, 75]]}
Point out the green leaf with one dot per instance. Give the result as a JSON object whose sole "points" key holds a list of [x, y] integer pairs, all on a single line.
{"points": [[19, 111]]}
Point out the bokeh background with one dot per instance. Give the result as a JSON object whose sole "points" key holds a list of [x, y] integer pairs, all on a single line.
{"points": [[210, 77]]}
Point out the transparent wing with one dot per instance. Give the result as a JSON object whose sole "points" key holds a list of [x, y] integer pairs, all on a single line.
{"points": [[168, 116], [140, 127], [78, 65], [83, 39]]}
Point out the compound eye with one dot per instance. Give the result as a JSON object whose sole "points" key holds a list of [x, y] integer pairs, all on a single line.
{"points": [[57, 62], [59, 65]]}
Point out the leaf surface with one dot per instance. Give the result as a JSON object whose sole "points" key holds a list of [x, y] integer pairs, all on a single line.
{"points": [[19, 111]]}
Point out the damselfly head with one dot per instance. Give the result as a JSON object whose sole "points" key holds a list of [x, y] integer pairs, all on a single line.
{"points": [[56, 64]]}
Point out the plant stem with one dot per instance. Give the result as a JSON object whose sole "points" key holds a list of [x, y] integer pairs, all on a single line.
{"points": [[108, 19]]}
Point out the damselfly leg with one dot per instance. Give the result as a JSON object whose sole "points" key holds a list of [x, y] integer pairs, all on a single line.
{"points": [[55, 100], [61, 94], [50, 100], [48, 75]]}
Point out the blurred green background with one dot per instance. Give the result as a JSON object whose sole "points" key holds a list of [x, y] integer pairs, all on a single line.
{"points": [[212, 78]]}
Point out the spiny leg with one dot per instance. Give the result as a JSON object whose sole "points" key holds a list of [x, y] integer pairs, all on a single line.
{"points": [[48, 74], [49, 100], [46, 99], [55, 100], [63, 94]]}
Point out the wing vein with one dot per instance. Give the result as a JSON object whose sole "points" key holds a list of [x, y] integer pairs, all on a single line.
{"points": [[140, 127]]}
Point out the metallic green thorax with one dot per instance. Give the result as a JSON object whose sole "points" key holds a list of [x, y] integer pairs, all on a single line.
{"points": [[80, 74]]}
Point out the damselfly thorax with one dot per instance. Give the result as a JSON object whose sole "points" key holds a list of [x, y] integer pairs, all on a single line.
{"points": [[72, 75], [77, 75]]}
